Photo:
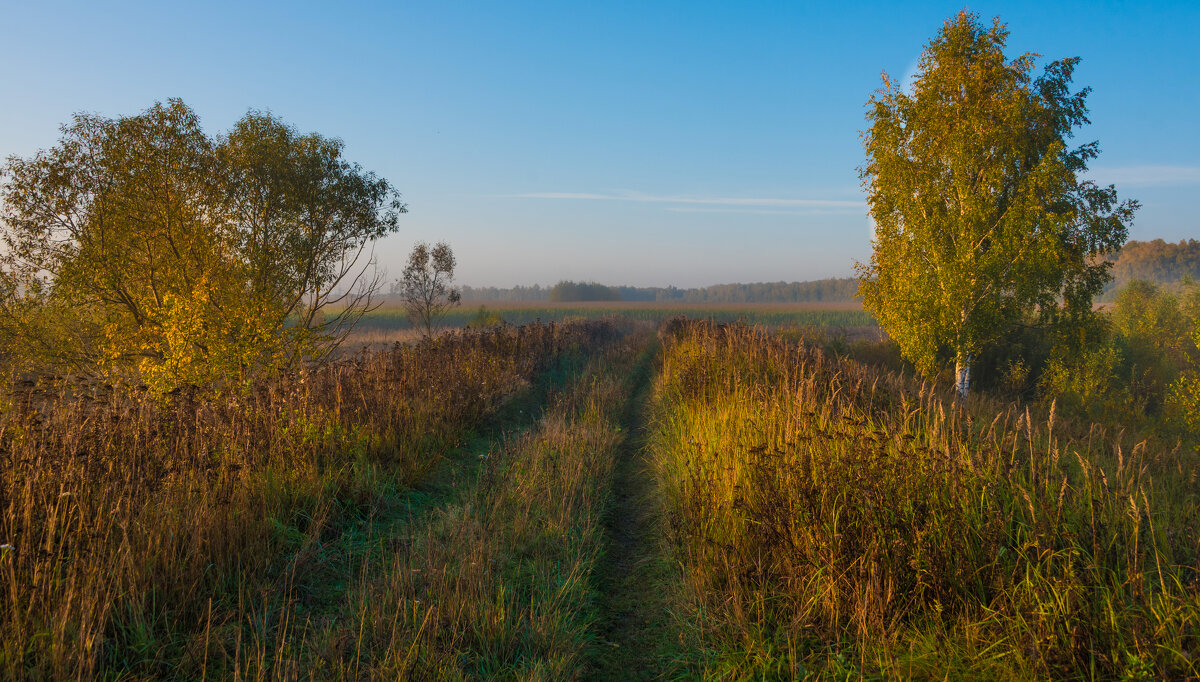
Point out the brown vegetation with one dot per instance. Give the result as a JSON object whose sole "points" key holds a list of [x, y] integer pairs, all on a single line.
{"points": [[191, 535]]}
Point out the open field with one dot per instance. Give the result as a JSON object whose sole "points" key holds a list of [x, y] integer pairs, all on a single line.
{"points": [[667, 305], [388, 324], [592, 500]]}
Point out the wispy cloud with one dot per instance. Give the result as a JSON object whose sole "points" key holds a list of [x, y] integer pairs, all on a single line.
{"points": [[558, 195], [1146, 176], [722, 204], [760, 211]]}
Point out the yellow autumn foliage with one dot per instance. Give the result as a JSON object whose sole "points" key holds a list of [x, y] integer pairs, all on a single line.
{"points": [[141, 247]]}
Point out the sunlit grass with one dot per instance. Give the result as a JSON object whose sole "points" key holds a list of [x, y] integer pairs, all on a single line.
{"points": [[837, 521]]}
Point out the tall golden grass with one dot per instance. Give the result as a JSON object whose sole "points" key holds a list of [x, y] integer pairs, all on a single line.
{"points": [[186, 537], [832, 520]]}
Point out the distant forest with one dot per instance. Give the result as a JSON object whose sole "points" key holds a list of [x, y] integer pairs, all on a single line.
{"points": [[1164, 263], [838, 289]]}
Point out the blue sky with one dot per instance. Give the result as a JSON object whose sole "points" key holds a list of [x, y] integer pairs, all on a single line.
{"points": [[639, 143]]}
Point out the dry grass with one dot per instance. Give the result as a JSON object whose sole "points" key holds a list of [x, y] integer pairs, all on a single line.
{"points": [[835, 521], [500, 582], [367, 340], [198, 536], [827, 520]]}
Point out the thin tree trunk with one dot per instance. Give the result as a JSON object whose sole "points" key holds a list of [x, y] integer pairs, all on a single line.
{"points": [[962, 376]]}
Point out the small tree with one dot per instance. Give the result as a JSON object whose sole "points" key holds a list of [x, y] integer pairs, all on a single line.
{"points": [[426, 285], [981, 216]]}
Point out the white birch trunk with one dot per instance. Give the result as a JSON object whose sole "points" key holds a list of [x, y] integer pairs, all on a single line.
{"points": [[962, 377]]}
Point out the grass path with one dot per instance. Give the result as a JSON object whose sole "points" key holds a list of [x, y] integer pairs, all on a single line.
{"points": [[635, 631], [505, 574], [575, 584], [531, 552], [312, 626], [319, 633]]}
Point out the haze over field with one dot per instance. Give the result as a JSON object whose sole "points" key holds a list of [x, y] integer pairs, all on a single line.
{"points": [[676, 144]]}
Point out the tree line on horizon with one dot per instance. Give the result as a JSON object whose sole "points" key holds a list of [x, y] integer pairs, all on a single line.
{"points": [[834, 289], [1166, 264]]}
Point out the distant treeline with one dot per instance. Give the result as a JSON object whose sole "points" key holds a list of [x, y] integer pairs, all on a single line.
{"points": [[519, 293], [584, 291], [1164, 263], [835, 289]]}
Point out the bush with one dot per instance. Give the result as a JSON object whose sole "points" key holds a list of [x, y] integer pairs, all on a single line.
{"points": [[1136, 369], [484, 318]]}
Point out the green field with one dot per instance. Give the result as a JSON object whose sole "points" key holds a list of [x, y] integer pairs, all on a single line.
{"points": [[831, 315]]}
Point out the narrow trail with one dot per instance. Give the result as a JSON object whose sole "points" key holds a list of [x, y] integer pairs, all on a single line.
{"points": [[635, 627], [355, 555]]}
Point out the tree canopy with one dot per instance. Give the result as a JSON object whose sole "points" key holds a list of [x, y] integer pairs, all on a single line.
{"points": [[981, 216], [142, 244]]}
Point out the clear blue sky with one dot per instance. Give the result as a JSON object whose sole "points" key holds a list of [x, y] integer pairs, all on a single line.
{"points": [[645, 143]]}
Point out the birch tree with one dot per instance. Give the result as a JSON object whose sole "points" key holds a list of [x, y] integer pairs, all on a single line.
{"points": [[982, 216]]}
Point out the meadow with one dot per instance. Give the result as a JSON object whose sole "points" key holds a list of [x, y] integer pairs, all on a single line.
{"points": [[189, 536], [596, 499], [837, 521], [843, 314], [388, 323]]}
